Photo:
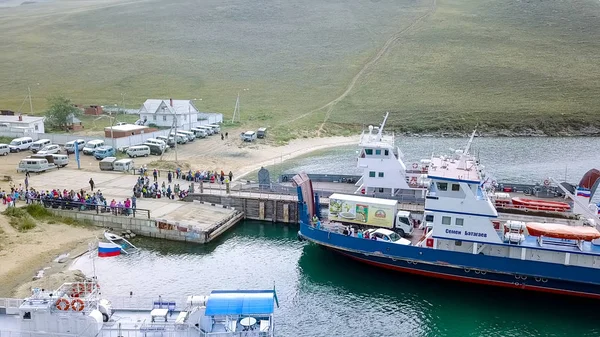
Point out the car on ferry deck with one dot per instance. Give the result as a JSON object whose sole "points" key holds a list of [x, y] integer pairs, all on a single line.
{"points": [[383, 234]]}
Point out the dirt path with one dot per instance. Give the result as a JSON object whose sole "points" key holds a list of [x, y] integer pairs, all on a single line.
{"points": [[371, 63]]}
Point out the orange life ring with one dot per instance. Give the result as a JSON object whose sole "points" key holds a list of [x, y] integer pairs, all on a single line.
{"points": [[77, 305], [546, 182], [63, 304]]}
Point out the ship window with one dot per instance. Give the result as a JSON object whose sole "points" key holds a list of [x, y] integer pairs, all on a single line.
{"points": [[455, 187], [381, 190], [372, 174], [369, 152], [378, 152], [458, 243], [380, 174], [27, 315], [386, 152], [442, 186], [459, 221], [429, 218], [446, 220]]}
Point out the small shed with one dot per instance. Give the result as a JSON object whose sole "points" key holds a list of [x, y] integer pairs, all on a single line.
{"points": [[261, 133], [93, 110], [73, 123]]}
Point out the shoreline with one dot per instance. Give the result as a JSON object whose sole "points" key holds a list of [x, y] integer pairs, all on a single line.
{"points": [[25, 254], [295, 149]]}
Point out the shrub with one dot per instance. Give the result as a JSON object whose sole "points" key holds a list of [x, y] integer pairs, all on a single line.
{"points": [[38, 211]]}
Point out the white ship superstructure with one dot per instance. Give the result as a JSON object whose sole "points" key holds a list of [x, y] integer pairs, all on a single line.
{"points": [[383, 171], [79, 310]]}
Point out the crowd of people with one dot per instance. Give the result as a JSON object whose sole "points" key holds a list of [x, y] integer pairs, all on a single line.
{"points": [[82, 200], [147, 186], [146, 189]]}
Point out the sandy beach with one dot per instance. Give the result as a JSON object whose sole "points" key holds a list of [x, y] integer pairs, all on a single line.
{"points": [[22, 255]]}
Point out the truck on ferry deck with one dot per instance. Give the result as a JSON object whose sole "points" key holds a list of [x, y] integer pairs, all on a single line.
{"points": [[373, 212]]}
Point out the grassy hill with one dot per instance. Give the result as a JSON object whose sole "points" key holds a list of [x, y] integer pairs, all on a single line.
{"points": [[446, 65]]}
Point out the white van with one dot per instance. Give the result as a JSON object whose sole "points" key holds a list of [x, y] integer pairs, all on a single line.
{"points": [[200, 133], [20, 144], [4, 149], [61, 160], [39, 144], [162, 144], [70, 146], [91, 146], [179, 138], [208, 129], [34, 165], [215, 127], [123, 165], [249, 136], [138, 151], [190, 135]]}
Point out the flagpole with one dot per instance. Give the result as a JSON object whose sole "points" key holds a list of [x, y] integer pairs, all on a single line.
{"points": [[93, 258]]}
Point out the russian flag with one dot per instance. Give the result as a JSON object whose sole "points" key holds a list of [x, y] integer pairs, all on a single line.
{"points": [[583, 193], [108, 249]]}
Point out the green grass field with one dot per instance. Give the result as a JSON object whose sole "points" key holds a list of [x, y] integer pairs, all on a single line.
{"points": [[497, 64]]}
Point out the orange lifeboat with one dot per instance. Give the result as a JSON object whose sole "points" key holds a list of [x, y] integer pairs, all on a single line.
{"points": [[560, 231], [540, 205]]}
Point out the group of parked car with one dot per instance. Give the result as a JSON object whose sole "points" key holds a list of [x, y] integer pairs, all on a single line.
{"points": [[161, 144], [48, 156]]}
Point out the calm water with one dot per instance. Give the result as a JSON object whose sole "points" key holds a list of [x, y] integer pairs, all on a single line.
{"points": [[323, 294], [518, 160]]}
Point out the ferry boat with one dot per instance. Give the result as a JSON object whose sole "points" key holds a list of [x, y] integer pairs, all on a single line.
{"points": [[464, 239], [384, 173], [78, 309]]}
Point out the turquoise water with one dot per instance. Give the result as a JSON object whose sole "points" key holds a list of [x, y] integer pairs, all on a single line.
{"points": [[516, 160], [324, 294]]}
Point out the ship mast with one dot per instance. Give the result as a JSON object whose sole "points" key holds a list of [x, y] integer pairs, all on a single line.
{"points": [[462, 164], [380, 132]]}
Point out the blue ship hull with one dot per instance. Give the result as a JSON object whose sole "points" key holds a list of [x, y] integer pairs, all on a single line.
{"points": [[473, 268]]}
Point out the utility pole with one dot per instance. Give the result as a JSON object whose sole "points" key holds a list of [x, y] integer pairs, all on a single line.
{"points": [[236, 110], [122, 102], [30, 104], [175, 133]]}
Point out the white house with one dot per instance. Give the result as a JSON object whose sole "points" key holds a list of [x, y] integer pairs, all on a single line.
{"points": [[22, 124], [162, 112]]}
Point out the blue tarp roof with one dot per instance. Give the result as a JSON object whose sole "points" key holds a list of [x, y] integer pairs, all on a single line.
{"points": [[240, 302]]}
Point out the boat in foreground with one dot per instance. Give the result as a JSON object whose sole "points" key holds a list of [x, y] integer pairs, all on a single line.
{"points": [[126, 246], [463, 239], [78, 309]]}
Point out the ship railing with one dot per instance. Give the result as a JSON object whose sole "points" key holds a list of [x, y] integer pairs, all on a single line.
{"points": [[10, 303], [136, 303], [13, 333]]}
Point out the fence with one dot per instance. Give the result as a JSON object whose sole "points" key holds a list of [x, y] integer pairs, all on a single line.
{"points": [[91, 208]]}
